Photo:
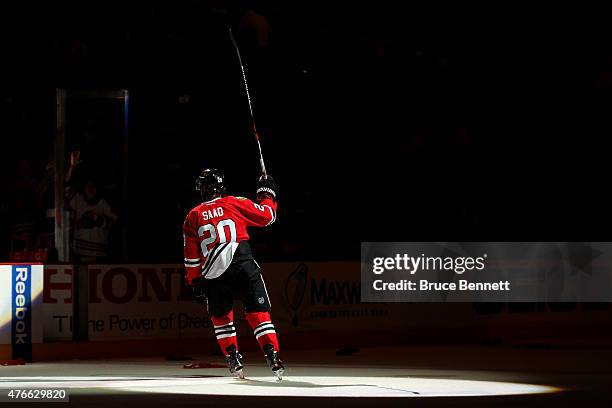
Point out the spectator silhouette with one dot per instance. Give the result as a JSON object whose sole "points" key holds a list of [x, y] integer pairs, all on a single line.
{"points": [[93, 220]]}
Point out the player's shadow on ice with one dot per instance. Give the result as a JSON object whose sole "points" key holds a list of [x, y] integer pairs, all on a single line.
{"points": [[284, 383], [305, 384]]}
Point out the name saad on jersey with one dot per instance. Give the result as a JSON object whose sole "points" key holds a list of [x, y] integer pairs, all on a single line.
{"points": [[214, 213]]}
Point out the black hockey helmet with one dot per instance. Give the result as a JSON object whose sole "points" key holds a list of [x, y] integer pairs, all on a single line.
{"points": [[210, 184]]}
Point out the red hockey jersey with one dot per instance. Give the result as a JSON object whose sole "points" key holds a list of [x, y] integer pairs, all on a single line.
{"points": [[213, 229]]}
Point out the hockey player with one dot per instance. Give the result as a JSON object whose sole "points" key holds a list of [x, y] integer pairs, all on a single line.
{"points": [[219, 263]]}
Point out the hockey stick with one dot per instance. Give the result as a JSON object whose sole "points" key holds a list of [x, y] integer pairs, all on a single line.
{"points": [[246, 88]]}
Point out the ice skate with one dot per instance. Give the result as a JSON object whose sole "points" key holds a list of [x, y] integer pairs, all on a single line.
{"points": [[234, 362], [274, 362]]}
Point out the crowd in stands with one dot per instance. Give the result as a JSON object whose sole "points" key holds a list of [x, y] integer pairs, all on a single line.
{"points": [[29, 213]]}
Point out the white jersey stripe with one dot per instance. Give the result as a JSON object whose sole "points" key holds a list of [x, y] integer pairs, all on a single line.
{"points": [[264, 333], [195, 265], [223, 325], [272, 213], [262, 329], [212, 201], [224, 329], [222, 260], [267, 326]]}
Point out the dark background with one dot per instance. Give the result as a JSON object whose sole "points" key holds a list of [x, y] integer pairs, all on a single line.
{"points": [[379, 121]]}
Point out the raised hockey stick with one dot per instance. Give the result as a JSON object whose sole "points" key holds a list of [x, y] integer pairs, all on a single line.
{"points": [[248, 95]]}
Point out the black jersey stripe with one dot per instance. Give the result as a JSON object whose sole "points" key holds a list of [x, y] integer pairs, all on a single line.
{"points": [[211, 254], [213, 259], [261, 324], [263, 329]]}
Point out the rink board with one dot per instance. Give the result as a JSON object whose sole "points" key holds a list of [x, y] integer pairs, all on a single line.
{"points": [[21, 287]]}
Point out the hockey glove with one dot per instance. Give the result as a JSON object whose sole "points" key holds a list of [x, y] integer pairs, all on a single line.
{"points": [[267, 186], [198, 289]]}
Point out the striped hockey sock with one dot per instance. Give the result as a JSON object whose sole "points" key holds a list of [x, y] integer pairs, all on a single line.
{"points": [[225, 331], [263, 329]]}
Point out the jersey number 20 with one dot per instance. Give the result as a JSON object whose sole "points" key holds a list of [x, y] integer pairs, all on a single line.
{"points": [[216, 232]]}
